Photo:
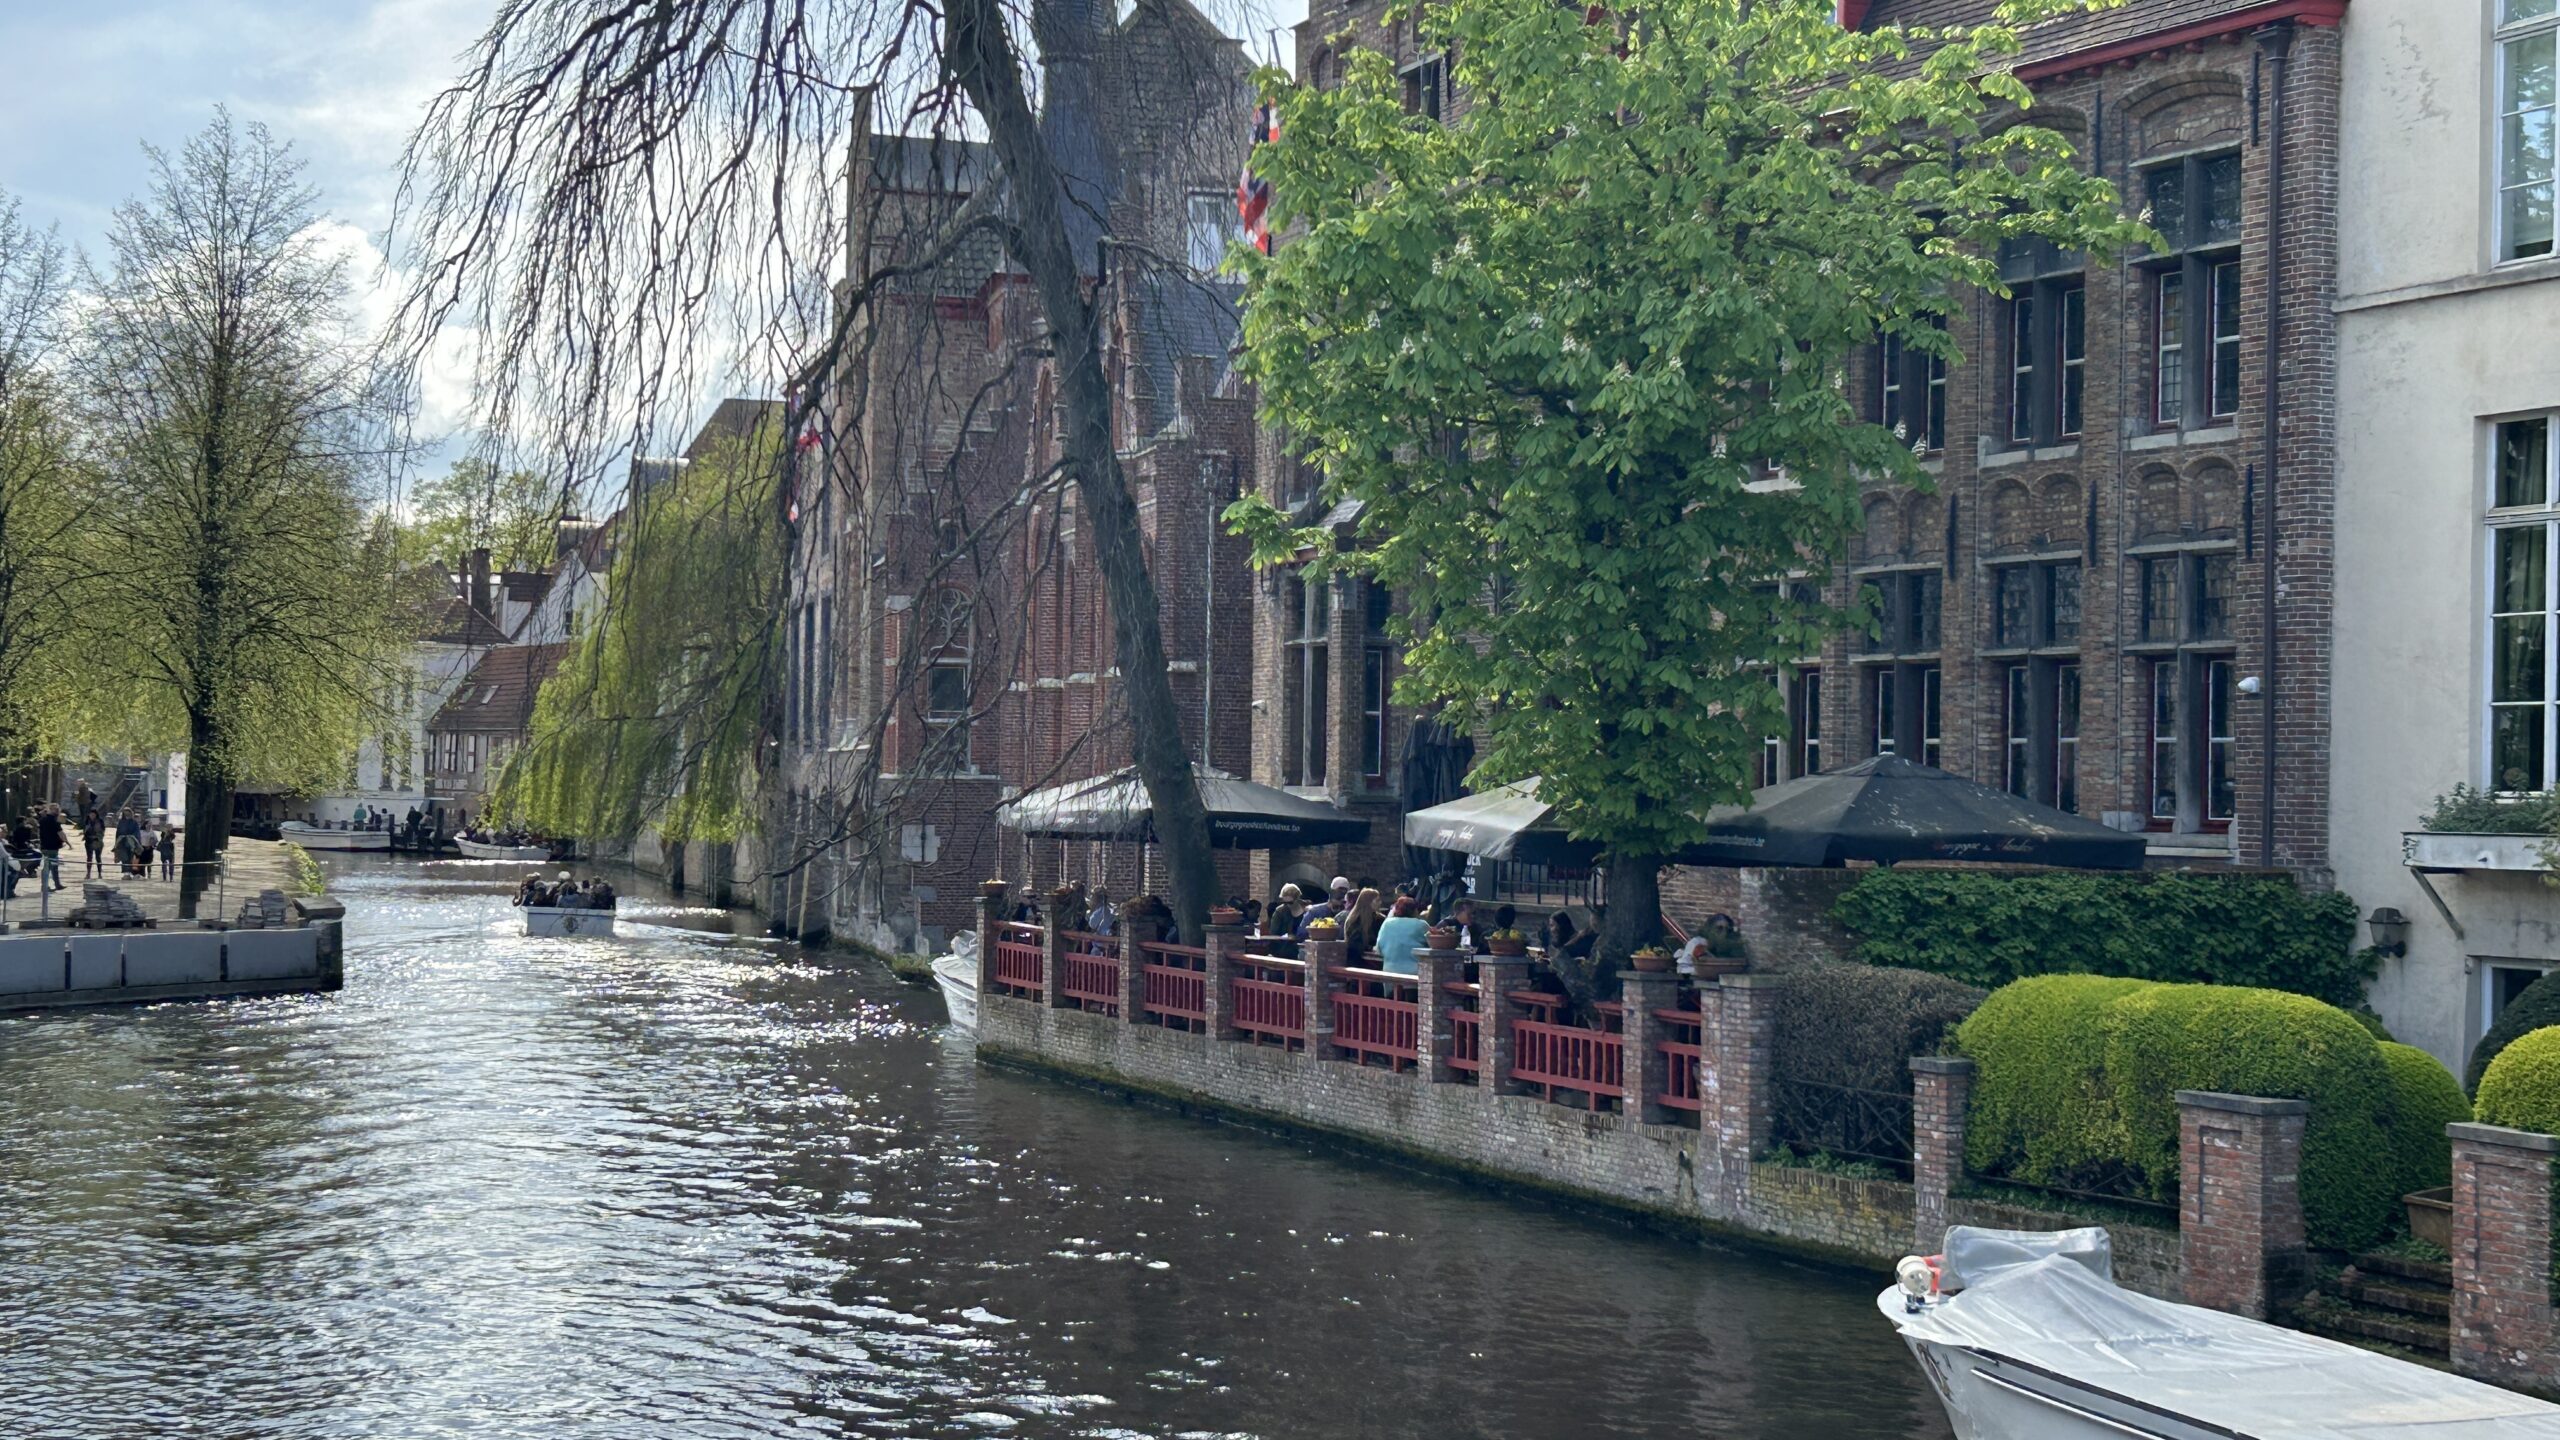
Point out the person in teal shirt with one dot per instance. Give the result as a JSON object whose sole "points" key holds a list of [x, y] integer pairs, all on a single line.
{"points": [[1400, 934]]}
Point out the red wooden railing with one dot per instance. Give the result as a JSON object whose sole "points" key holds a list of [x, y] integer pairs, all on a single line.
{"points": [[1568, 1057], [1271, 1000], [1376, 1014], [1090, 972], [1018, 958], [1466, 1029], [1177, 994], [1681, 1049]]}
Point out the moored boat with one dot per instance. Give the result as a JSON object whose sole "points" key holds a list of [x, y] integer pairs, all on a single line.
{"points": [[484, 850], [554, 920], [321, 837], [958, 976], [2038, 1343]]}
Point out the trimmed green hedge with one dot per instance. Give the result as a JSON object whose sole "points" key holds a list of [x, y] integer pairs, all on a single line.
{"points": [[1858, 1026], [2536, 1006], [2424, 1099], [2522, 1087], [2078, 1078], [1988, 928]]}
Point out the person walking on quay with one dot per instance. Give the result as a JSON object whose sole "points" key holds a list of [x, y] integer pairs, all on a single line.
{"points": [[49, 841], [93, 843], [169, 851], [20, 860]]}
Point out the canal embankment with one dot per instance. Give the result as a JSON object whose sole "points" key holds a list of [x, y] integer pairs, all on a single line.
{"points": [[120, 940]]}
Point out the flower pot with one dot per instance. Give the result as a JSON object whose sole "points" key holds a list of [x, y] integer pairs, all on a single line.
{"points": [[1513, 946], [1709, 967], [1225, 915], [2431, 1215], [1441, 937], [994, 889], [1650, 962]]}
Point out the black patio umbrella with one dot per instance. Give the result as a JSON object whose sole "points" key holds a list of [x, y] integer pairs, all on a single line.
{"points": [[1242, 814], [1436, 759], [1879, 811], [1889, 809]]}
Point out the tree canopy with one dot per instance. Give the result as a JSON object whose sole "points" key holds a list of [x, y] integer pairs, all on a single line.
{"points": [[42, 570], [652, 720], [514, 514], [1580, 355]]}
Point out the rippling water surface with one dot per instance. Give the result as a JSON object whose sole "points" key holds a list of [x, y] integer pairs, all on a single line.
{"points": [[692, 1184]]}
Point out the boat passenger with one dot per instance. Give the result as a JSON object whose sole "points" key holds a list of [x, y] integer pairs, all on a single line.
{"points": [[531, 891], [600, 894]]}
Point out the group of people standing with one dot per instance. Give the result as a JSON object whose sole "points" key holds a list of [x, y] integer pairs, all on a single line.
{"points": [[36, 839]]}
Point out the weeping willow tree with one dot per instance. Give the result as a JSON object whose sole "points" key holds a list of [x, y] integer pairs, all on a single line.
{"points": [[42, 571], [651, 722]]}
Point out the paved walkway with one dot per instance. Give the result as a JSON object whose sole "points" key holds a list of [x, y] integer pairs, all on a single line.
{"points": [[248, 867]]}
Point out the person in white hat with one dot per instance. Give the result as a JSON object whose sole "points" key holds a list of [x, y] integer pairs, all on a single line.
{"points": [[1336, 904]]}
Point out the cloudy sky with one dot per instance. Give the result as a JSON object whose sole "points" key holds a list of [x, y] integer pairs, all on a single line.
{"points": [[92, 81]]}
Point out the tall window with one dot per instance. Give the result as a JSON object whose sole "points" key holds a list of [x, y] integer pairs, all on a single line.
{"points": [[1309, 681], [2525, 82], [2195, 280], [1903, 715], [1900, 672], [2044, 732], [1208, 221], [1911, 393], [2048, 339], [1373, 713], [1425, 86], [2192, 785], [2523, 698], [1806, 712]]}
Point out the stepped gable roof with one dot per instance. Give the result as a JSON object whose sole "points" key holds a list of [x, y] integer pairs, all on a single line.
{"points": [[497, 696], [2049, 45]]}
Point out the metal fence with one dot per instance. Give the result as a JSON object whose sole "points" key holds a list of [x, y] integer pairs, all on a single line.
{"points": [[1849, 1124]]}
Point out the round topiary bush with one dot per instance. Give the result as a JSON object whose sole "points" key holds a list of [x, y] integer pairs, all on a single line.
{"points": [[2424, 1099], [1857, 1027], [2537, 1006], [2079, 1076], [2522, 1087], [2039, 1110]]}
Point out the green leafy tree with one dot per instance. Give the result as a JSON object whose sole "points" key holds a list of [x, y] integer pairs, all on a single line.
{"points": [[514, 514], [652, 720], [1580, 356], [42, 572], [235, 411]]}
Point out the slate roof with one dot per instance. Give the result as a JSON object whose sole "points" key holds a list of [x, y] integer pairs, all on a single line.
{"points": [[2066, 34], [497, 696], [1178, 316]]}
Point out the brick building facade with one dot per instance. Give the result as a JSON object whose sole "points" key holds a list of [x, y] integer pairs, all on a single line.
{"points": [[948, 637], [2079, 608]]}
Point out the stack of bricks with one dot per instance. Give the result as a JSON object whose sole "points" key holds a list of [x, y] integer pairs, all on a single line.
{"points": [[102, 908], [265, 912]]}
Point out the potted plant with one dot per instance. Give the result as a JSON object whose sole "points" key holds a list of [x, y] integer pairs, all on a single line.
{"points": [[1441, 937], [1650, 960], [1325, 929], [1225, 915], [994, 889], [1506, 942]]}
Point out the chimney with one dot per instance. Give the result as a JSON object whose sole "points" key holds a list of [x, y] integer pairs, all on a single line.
{"points": [[476, 581]]}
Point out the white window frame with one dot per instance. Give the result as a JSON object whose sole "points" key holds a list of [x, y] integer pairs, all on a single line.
{"points": [[2546, 517], [2509, 35], [1208, 223]]}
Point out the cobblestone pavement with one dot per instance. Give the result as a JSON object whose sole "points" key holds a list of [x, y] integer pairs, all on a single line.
{"points": [[246, 868]]}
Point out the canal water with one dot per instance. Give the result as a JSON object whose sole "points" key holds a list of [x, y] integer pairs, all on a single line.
{"points": [[690, 1183]]}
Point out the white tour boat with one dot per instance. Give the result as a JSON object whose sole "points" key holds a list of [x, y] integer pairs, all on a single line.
{"points": [[553, 920], [957, 973], [483, 850], [321, 837], [2038, 1343]]}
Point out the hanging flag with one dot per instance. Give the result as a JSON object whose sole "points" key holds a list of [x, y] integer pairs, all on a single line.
{"points": [[1253, 193]]}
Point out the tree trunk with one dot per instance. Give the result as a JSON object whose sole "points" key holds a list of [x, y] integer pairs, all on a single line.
{"points": [[1632, 916], [208, 831], [982, 58]]}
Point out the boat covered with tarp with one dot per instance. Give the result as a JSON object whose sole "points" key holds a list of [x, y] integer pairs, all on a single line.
{"points": [[2037, 1342]]}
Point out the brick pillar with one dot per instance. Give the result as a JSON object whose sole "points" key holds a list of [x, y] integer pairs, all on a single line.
{"points": [[1741, 1026], [1941, 1086], [1135, 934], [1219, 991], [2504, 1329], [1496, 977], [2240, 1245], [1647, 1071], [1321, 956], [1432, 972], [1053, 963], [993, 903]]}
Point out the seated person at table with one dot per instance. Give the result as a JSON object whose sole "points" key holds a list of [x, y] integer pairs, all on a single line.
{"points": [[1400, 934]]}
